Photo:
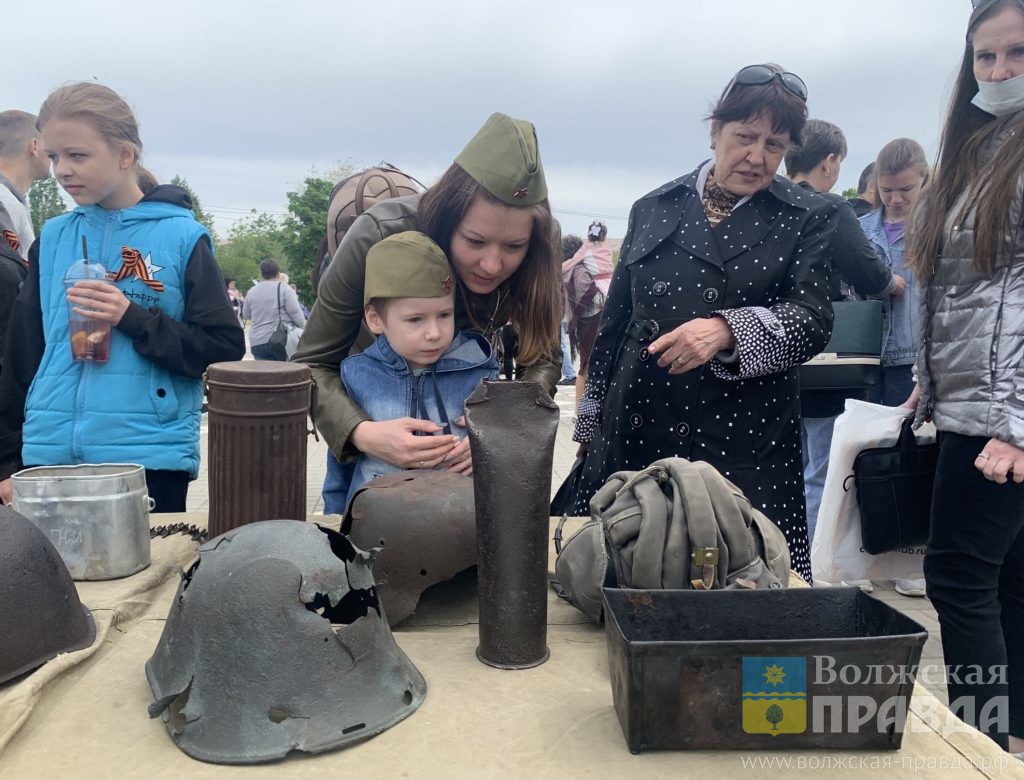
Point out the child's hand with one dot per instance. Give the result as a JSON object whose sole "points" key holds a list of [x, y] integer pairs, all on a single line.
{"points": [[6, 491], [98, 301], [459, 459]]}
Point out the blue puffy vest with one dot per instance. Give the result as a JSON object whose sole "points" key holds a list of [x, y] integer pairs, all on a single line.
{"points": [[128, 410]]}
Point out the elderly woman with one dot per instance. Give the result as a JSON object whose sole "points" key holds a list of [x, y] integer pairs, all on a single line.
{"points": [[967, 249], [721, 291]]}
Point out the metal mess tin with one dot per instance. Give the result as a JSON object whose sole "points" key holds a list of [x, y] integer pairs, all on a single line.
{"points": [[96, 515]]}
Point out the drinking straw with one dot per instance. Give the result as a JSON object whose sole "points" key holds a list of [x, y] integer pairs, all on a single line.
{"points": [[85, 250]]}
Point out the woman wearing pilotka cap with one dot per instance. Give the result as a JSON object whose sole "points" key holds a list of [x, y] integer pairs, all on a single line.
{"points": [[489, 213]]}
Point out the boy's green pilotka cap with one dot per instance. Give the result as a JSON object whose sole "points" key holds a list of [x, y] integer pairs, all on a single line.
{"points": [[406, 265], [504, 159]]}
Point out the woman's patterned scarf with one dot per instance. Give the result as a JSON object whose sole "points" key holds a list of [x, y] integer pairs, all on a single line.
{"points": [[718, 203]]}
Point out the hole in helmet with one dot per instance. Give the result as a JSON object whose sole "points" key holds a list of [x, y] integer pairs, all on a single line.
{"points": [[356, 727], [186, 576], [276, 714], [352, 606], [176, 708], [381, 542], [340, 545], [423, 572], [407, 697]]}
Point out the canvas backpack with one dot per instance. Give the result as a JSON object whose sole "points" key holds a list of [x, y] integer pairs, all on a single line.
{"points": [[675, 524], [351, 197]]}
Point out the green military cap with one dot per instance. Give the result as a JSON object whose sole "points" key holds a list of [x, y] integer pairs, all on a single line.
{"points": [[406, 265], [504, 159]]}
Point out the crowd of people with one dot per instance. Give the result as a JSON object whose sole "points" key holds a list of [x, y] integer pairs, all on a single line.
{"points": [[689, 345]]}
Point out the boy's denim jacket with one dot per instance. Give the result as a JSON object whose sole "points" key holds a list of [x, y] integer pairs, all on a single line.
{"points": [[899, 327], [379, 381]]}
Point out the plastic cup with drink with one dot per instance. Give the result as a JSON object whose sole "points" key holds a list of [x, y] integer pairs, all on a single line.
{"points": [[90, 339]]}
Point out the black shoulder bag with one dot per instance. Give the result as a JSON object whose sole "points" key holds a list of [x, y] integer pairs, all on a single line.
{"points": [[894, 492], [279, 338]]}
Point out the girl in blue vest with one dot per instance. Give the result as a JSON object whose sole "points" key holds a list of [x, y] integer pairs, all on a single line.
{"points": [[163, 297]]}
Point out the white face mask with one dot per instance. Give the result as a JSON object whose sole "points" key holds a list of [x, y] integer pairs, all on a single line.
{"points": [[1000, 98]]}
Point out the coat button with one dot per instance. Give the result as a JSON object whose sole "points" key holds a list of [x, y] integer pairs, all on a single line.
{"points": [[682, 430], [711, 295], [636, 420], [644, 354], [660, 288]]}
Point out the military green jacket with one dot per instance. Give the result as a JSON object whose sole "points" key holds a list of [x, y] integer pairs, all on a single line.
{"points": [[336, 329]]}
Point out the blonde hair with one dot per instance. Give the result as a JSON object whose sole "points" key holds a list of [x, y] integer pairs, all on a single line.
{"points": [[105, 110], [898, 155]]}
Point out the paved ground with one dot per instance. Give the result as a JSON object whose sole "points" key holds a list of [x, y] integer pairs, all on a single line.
{"points": [[919, 609]]}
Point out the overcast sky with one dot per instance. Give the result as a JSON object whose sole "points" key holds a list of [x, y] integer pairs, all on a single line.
{"points": [[244, 98]]}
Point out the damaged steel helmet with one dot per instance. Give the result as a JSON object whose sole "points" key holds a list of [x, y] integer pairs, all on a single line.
{"points": [[40, 614], [276, 642], [424, 523]]}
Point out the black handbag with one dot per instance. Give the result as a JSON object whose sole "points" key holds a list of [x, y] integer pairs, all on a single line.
{"points": [[894, 492], [279, 338], [562, 502], [852, 358]]}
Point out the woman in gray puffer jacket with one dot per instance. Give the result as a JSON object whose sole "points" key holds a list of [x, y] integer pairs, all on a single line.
{"points": [[967, 247]]}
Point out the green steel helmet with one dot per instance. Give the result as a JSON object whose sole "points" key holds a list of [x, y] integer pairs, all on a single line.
{"points": [[276, 641], [40, 614]]}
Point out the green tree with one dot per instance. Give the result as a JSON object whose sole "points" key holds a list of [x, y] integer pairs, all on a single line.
{"points": [[850, 192], [774, 716], [44, 201], [197, 207], [249, 241], [304, 228]]}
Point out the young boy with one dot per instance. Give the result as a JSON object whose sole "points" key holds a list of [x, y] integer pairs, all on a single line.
{"points": [[419, 366]]}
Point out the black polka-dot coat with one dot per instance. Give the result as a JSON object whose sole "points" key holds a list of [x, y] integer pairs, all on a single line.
{"points": [[764, 270]]}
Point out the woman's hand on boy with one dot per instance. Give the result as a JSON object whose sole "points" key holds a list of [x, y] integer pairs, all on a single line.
{"points": [[395, 442], [98, 301]]}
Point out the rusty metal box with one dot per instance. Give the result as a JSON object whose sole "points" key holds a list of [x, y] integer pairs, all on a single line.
{"points": [[802, 668]]}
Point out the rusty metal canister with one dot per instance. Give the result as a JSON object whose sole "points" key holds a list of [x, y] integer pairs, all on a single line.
{"points": [[512, 427], [257, 444]]}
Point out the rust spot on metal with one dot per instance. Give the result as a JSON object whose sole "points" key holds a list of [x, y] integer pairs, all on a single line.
{"points": [[640, 600]]}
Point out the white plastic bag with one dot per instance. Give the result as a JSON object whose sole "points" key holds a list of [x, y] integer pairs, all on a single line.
{"points": [[294, 334], [836, 552]]}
